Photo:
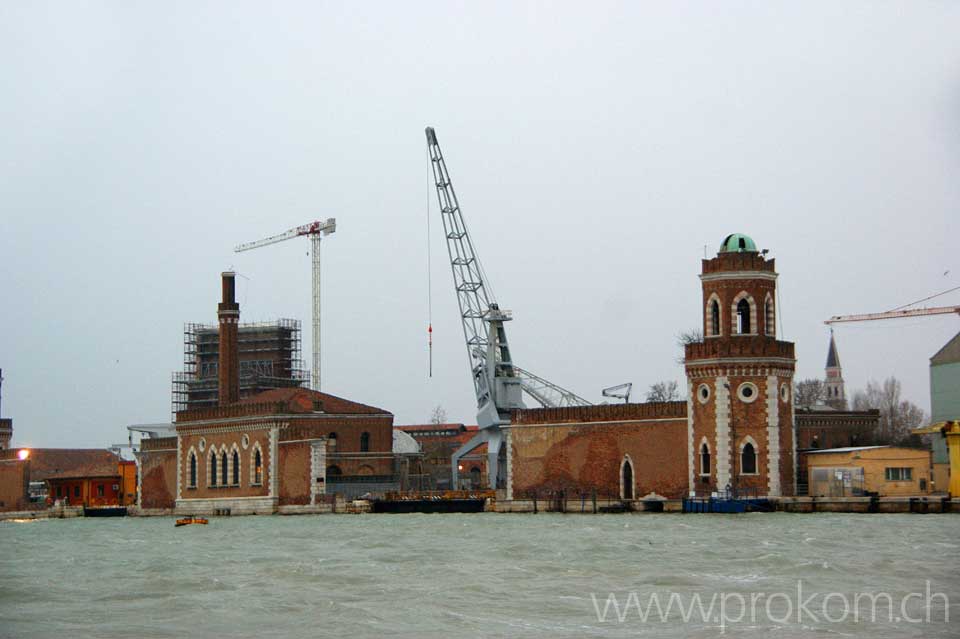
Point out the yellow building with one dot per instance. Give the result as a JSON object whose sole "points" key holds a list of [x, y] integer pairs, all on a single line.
{"points": [[851, 472]]}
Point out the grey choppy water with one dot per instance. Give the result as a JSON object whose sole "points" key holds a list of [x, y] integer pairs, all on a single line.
{"points": [[482, 575]]}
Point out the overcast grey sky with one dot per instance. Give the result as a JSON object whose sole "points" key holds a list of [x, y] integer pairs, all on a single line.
{"points": [[597, 149]]}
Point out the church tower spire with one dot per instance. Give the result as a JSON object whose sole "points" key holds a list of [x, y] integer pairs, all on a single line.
{"points": [[833, 382]]}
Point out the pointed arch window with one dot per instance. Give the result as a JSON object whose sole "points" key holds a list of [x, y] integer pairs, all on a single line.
{"points": [[626, 478], [365, 442], [236, 468], [770, 315], [193, 470], [257, 467], [213, 469], [748, 459], [704, 459], [743, 317], [715, 317], [223, 468]]}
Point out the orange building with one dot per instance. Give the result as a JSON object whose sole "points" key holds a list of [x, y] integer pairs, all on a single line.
{"points": [[101, 485], [888, 471]]}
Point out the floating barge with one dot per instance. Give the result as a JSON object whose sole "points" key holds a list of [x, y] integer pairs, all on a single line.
{"points": [[105, 511], [451, 501], [726, 505]]}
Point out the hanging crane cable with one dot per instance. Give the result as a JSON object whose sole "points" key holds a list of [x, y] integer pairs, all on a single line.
{"points": [[955, 288], [429, 277]]}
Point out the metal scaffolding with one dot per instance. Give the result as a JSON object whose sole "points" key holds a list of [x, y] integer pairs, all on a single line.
{"points": [[269, 358]]}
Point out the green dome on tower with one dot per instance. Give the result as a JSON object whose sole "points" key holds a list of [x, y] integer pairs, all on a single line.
{"points": [[737, 243]]}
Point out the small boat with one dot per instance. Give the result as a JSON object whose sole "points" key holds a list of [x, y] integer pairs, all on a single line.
{"points": [[186, 521]]}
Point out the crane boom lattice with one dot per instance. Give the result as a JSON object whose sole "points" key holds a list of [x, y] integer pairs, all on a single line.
{"points": [[314, 230]]}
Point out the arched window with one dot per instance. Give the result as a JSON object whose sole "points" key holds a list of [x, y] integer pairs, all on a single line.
{"points": [[223, 469], [748, 460], [193, 470], [213, 468], [365, 442], [704, 459], [715, 318], [257, 467], [236, 468], [334, 471], [771, 327], [475, 477], [743, 317], [626, 479]]}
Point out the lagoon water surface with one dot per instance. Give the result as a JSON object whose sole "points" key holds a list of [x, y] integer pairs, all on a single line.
{"points": [[483, 575]]}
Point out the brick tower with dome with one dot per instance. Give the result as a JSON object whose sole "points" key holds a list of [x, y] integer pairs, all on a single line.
{"points": [[740, 433]]}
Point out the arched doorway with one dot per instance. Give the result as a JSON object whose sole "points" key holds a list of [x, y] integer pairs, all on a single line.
{"points": [[626, 478]]}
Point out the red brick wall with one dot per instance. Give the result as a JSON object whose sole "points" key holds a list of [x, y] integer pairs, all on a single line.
{"points": [[349, 432], [294, 472], [587, 456], [224, 442], [158, 477], [704, 425], [14, 485]]}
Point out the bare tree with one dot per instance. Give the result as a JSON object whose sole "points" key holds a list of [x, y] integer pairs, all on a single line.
{"points": [[664, 392], [809, 392], [897, 416], [438, 415], [692, 336]]}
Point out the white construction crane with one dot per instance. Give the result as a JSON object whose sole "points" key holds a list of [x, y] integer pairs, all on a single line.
{"points": [[913, 312], [315, 230]]}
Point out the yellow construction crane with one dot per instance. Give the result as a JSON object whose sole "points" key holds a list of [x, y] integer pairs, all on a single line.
{"points": [[949, 430]]}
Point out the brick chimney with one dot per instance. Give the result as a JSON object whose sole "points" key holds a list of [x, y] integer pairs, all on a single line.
{"points": [[228, 312]]}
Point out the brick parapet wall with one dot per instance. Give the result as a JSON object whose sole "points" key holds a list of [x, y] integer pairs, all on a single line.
{"points": [[738, 346], [600, 413], [233, 410], [738, 262], [158, 443]]}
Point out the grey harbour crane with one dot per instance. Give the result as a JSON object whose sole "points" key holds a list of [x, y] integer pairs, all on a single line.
{"points": [[498, 382]]}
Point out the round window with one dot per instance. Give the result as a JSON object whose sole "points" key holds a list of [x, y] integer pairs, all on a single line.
{"points": [[245, 441], [202, 444], [747, 392], [785, 392], [703, 393]]}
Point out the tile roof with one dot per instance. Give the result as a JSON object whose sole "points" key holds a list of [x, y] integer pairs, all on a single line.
{"points": [[301, 400], [54, 463]]}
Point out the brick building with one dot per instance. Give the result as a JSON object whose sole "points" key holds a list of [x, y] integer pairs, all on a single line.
{"points": [[740, 379], [285, 448], [823, 427], [734, 432]]}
